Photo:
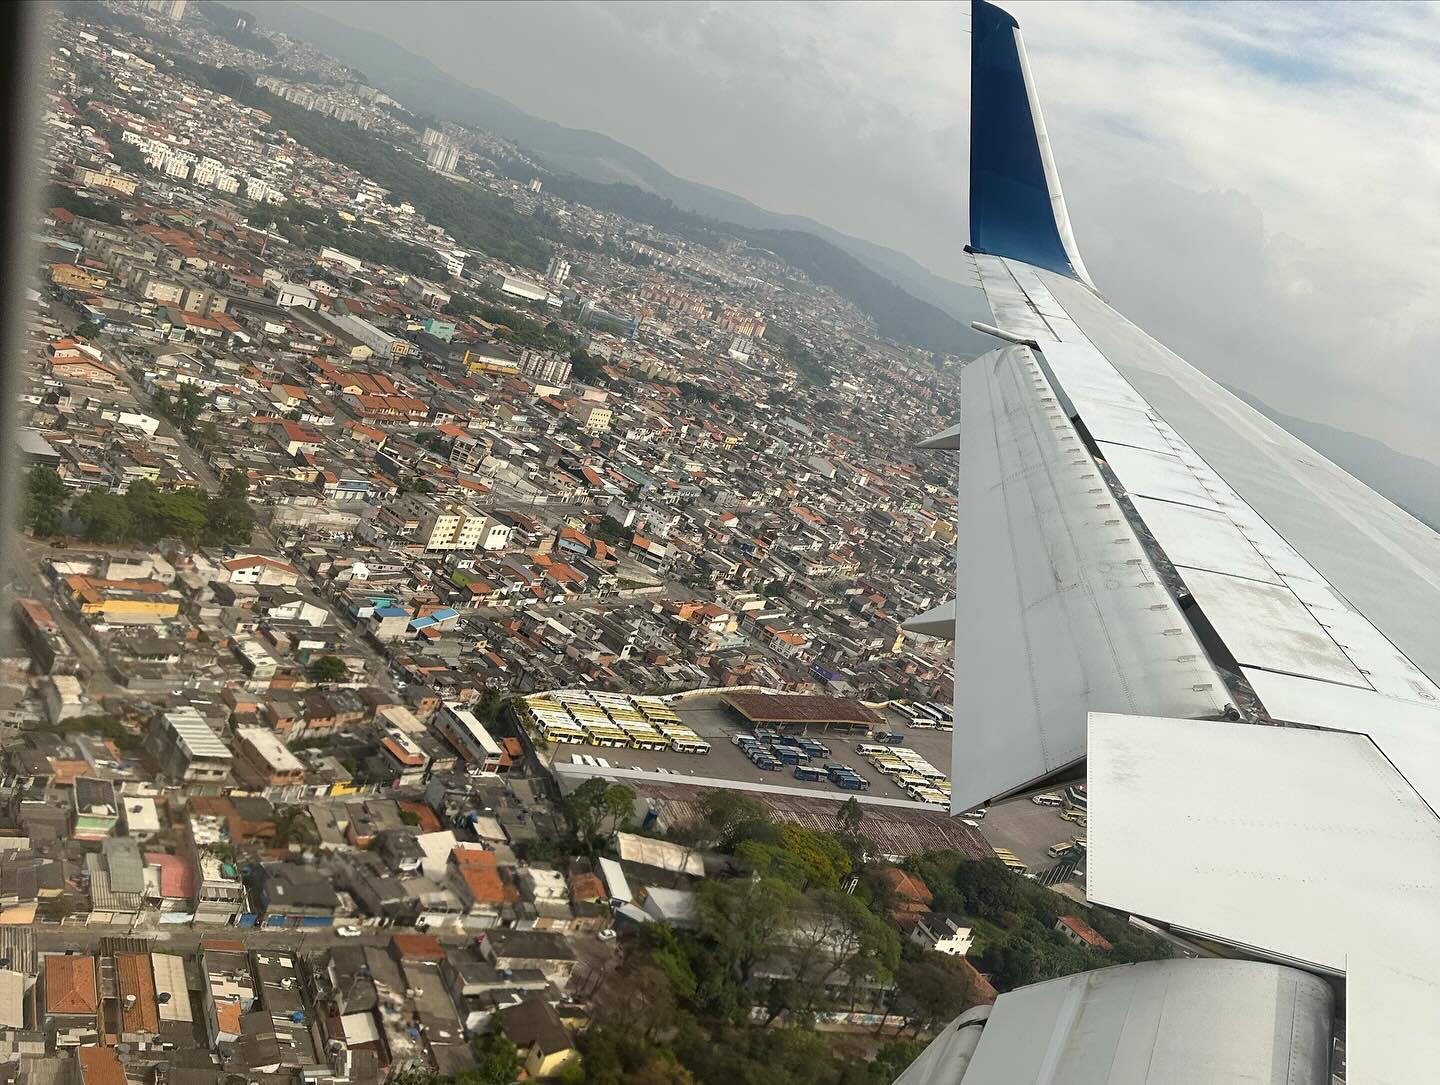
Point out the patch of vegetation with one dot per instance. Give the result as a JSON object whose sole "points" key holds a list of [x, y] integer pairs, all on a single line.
{"points": [[68, 199], [45, 499], [146, 514], [1014, 919], [813, 371], [102, 726]]}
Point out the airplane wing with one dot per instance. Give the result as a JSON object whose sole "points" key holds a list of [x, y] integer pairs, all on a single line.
{"points": [[1147, 568]]}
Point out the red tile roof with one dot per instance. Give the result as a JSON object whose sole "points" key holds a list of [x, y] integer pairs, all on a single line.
{"points": [[177, 877], [70, 985], [1086, 933], [100, 1066], [418, 947]]}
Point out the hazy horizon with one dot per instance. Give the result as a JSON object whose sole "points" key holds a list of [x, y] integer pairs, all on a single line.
{"points": [[1212, 186]]}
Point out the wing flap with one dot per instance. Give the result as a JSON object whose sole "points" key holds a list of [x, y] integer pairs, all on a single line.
{"points": [[1059, 609]]}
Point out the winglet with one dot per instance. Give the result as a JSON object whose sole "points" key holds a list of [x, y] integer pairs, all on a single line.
{"points": [[1016, 207]]}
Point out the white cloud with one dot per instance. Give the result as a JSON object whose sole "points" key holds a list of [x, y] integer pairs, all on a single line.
{"points": [[1256, 185]]}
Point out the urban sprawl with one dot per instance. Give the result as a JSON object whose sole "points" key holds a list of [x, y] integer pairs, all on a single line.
{"points": [[458, 630]]}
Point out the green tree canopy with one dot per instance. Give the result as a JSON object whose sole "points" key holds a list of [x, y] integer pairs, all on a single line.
{"points": [[327, 669], [45, 498]]}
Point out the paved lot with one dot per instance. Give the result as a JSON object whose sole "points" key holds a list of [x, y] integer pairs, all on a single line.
{"points": [[1028, 830], [718, 724]]}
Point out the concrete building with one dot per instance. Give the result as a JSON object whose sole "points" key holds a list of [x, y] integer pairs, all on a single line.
{"points": [[186, 748], [593, 417], [557, 270], [114, 182], [443, 157], [367, 334], [462, 527], [63, 696], [220, 896], [96, 809], [943, 933], [517, 287], [294, 296], [263, 761], [468, 735]]}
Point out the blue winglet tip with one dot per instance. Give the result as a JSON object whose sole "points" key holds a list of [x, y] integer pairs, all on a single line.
{"points": [[1016, 208]]}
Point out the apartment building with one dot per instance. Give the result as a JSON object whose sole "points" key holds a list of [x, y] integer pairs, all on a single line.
{"points": [[461, 527]]}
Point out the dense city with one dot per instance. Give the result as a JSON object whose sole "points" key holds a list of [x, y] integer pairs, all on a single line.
{"points": [[460, 635]]}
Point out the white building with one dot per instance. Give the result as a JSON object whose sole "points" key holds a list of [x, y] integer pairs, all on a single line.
{"points": [[262, 191], [295, 296], [367, 334], [461, 527], [343, 259], [943, 934], [443, 157], [63, 696], [520, 288], [468, 735], [454, 261]]}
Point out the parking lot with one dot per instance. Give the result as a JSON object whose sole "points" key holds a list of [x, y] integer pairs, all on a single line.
{"points": [[1028, 830], [1018, 824], [717, 724]]}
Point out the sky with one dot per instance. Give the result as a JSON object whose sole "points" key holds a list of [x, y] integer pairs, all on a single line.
{"points": [[1257, 185]]}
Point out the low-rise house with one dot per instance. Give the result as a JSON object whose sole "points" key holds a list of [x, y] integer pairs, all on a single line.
{"points": [[227, 990], [96, 810], [542, 1041], [487, 895], [186, 748], [542, 950], [1081, 933], [262, 760], [72, 999], [288, 894], [944, 933]]}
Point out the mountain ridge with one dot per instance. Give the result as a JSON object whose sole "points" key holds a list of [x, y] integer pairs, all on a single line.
{"points": [[1409, 481], [594, 156]]}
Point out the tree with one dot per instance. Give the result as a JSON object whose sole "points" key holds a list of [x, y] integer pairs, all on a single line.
{"points": [[619, 806], [744, 915], [637, 1000], [850, 815], [730, 815], [229, 517], [596, 805], [184, 407], [584, 368], [328, 669], [989, 887], [933, 990], [497, 1062], [821, 856], [45, 497], [104, 517], [184, 513]]}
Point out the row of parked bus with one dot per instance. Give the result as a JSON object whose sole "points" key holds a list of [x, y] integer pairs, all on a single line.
{"points": [[1010, 859], [925, 715], [911, 772], [610, 720], [771, 751]]}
